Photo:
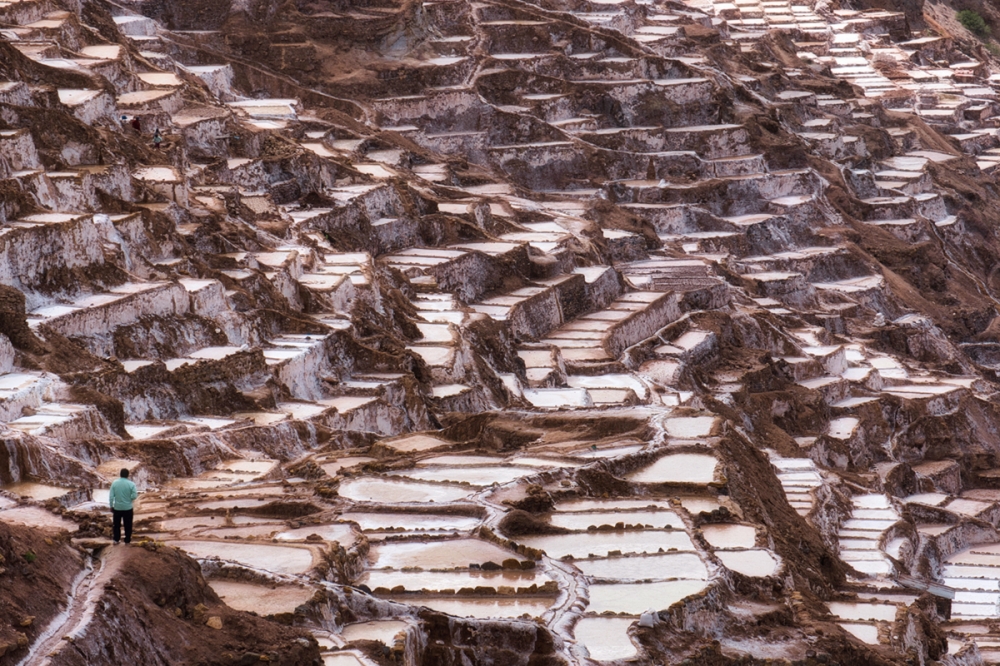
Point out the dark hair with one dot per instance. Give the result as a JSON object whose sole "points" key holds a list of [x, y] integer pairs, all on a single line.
{"points": [[124, 473]]}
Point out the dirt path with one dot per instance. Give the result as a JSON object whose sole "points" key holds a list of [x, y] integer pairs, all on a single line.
{"points": [[72, 622]]}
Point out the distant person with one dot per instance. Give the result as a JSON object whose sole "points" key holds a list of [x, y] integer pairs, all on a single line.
{"points": [[136, 125], [123, 493], [157, 138]]}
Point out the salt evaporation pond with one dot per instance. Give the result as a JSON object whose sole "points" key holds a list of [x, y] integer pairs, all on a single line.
{"points": [[605, 638], [195, 522], [730, 536], [690, 427], [611, 505], [261, 599], [39, 492], [344, 659], [335, 532], [454, 554], [608, 453], [669, 565], [458, 461], [383, 631], [507, 607], [375, 489], [582, 520], [476, 476], [749, 562], [411, 522], [37, 517], [867, 633], [332, 468], [856, 611], [278, 559], [599, 544], [636, 598], [678, 468], [414, 581]]}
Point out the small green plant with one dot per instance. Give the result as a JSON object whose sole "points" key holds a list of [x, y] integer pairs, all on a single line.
{"points": [[973, 22], [29, 557]]}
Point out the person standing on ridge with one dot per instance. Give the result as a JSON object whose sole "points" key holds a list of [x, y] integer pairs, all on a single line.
{"points": [[123, 493], [157, 138]]}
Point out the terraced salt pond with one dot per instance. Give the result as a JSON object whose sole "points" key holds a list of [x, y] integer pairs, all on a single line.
{"points": [[277, 559], [696, 468], [451, 580], [605, 638], [636, 598], [383, 631], [473, 475], [410, 522], [332, 532], [749, 562], [451, 554], [646, 567], [377, 489], [601, 544], [505, 607], [261, 599], [584, 520], [730, 536]]}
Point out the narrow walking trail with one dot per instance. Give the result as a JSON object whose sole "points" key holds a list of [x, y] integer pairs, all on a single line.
{"points": [[72, 622]]}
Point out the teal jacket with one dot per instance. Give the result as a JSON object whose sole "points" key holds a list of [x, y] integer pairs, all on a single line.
{"points": [[123, 493]]}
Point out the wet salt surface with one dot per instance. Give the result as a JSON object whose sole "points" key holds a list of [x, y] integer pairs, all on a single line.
{"points": [[36, 491], [669, 565], [411, 521], [600, 544], [451, 580], [678, 468], [344, 659], [730, 536], [607, 453], [342, 533], [195, 522], [484, 608], [383, 631], [261, 599], [612, 505], [867, 633], [451, 554], [748, 562], [278, 559], [476, 476], [856, 611], [605, 638], [374, 489], [36, 517], [582, 520], [635, 598], [335, 466]]}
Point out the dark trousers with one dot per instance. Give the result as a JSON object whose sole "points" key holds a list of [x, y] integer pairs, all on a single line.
{"points": [[116, 527]]}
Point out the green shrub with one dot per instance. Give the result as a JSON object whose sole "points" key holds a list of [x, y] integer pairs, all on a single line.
{"points": [[30, 557], [973, 22]]}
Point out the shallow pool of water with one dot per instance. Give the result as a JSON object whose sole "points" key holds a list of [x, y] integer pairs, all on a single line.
{"points": [[678, 468], [374, 489], [38, 517], [749, 562], [455, 461], [730, 536], [261, 599], [335, 532], [411, 521], [636, 598], [483, 608], [850, 610], [690, 427], [471, 474], [195, 522], [36, 491], [344, 659], [599, 544], [606, 638], [383, 631], [612, 505], [867, 633], [332, 468], [434, 581], [450, 554], [278, 559], [668, 565], [581, 520]]}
